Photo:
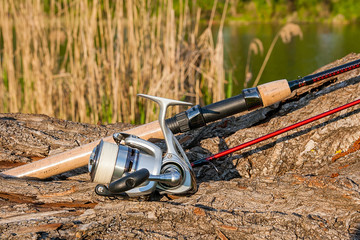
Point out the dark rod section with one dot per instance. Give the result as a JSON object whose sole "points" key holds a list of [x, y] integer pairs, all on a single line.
{"points": [[197, 116], [225, 108], [310, 79]]}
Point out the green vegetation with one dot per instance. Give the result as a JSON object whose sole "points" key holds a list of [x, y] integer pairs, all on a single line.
{"points": [[339, 11]]}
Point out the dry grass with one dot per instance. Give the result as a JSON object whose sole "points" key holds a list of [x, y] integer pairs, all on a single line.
{"points": [[286, 33], [256, 47], [86, 60]]}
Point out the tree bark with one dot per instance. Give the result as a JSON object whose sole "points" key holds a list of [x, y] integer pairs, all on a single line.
{"points": [[304, 184]]}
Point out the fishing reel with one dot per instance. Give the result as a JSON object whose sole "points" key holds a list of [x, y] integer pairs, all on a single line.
{"points": [[136, 167]]}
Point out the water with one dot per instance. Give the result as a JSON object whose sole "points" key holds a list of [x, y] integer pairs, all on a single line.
{"points": [[321, 44]]}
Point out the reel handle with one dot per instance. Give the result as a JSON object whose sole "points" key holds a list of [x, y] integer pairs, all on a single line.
{"points": [[123, 184], [130, 181]]}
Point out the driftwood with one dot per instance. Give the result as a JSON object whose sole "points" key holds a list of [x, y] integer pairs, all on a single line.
{"points": [[302, 185]]}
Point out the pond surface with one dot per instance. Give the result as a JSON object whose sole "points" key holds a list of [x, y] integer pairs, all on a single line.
{"points": [[321, 44]]}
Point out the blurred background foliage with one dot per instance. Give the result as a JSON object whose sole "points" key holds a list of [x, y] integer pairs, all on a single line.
{"points": [[85, 60], [263, 10], [285, 10]]}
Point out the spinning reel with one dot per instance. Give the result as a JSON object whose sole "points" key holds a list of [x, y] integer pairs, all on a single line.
{"points": [[136, 167]]}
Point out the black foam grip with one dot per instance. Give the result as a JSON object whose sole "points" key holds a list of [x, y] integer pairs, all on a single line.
{"points": [[224, 108]]}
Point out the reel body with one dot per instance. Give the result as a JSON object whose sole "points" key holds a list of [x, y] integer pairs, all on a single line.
{"points": [[136, 167]]}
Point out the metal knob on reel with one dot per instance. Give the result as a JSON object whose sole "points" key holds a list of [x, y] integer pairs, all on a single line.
{"points": [[136, 167]]}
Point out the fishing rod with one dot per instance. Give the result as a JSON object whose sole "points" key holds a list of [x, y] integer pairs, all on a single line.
{"points": [[251, 98], [273, 134], [135, 167], [195, 117]]}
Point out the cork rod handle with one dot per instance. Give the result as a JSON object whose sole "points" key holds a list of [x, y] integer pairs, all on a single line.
{"points": [[77, 157], [274, 92]]}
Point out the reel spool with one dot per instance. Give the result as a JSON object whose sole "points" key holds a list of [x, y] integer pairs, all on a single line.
{"points": [[136, 167]]}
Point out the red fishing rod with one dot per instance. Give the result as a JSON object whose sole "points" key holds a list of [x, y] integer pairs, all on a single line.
{"points": [[273, 134]]}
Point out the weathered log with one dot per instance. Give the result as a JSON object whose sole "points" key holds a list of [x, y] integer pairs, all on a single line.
{"points": [[304, 184]]}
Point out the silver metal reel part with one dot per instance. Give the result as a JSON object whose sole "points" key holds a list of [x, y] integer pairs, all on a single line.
{"points": [[110, 162], [175, 155], [135, 167]]}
